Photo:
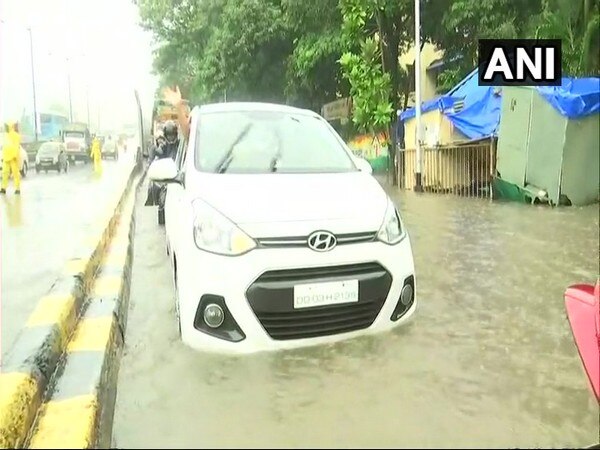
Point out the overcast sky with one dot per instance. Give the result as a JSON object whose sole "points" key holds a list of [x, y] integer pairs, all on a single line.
{"points": [[109, 54]]}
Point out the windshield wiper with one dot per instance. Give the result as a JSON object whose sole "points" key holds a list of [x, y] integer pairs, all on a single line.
{"points": [[224, 163]]}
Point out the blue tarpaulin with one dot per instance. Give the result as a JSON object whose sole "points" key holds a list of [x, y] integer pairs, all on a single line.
{"points": [[479, 116], [576, 97]]}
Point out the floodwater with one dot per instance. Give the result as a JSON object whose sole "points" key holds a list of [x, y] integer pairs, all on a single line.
{"points": [[488, 361]]}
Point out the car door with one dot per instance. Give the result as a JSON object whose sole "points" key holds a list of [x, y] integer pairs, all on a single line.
{"points": [[174, 194]]}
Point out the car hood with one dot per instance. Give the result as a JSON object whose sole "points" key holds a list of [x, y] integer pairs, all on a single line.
{"points": [[341, 203]]}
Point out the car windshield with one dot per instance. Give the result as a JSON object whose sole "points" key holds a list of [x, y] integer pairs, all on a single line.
{"points": [[108, 145], [268, 141], [74, 134], [49, 150]]}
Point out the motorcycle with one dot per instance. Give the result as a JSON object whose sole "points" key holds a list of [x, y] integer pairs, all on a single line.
{"points": [[582, 302]]}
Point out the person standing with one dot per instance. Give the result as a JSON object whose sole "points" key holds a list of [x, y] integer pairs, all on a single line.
{"points": [[96, 155], [11, 156]]}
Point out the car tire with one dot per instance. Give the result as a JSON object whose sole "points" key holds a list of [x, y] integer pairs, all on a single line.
{"points": [[24, 171], [161, 216], [37, 169]]}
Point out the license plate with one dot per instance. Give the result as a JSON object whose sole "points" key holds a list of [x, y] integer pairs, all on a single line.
{"points": [[320, 294]]}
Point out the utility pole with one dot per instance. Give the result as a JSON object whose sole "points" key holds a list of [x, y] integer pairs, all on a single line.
{"points": [[69, 85], [419, 163], [35, 114], [87, 93]]}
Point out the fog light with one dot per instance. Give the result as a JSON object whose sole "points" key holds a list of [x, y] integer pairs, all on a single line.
{"points": [[406, 296], [214, 315]]}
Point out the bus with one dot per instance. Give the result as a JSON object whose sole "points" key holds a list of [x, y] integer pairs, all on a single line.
{"points": [[49, 125]]}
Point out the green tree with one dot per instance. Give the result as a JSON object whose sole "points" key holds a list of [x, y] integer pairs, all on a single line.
{"points": [[577, 24], [369, 87], [313, 73], [456, 25]]}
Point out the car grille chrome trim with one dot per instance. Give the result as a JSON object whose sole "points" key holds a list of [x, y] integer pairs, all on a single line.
{"points": [[302, 241]]}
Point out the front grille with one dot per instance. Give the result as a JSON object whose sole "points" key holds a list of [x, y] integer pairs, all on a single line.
{"points": [[271, 297], [302, 241]]}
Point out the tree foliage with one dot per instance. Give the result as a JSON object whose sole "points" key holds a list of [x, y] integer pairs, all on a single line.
{"points": [[290, 51], [577, 24], [369, 87]]}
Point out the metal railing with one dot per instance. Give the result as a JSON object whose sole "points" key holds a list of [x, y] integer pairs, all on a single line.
{"points": [[465, 170]]}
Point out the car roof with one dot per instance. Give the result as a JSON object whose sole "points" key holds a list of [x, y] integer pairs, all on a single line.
{"points": [[251, 106]]}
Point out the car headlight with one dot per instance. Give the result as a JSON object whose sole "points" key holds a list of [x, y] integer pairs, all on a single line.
{"points": [[391, 231], [213, 232]]}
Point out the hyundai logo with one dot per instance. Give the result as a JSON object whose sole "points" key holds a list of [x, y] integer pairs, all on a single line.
{"points": [[322, 241]]}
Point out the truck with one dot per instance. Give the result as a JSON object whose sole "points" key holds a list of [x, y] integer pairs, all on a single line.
{"points": [[78, 141]]}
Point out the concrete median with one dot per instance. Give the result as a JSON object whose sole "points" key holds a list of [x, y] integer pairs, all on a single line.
{"points": [[55, 326], [80, 404]]}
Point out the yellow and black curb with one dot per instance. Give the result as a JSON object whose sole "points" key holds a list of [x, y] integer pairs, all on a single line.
{"points": [[79, 408], [29, 367]]}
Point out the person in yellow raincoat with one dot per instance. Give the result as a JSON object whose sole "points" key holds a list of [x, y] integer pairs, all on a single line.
{"points": [[96, 155], [11, 155]]}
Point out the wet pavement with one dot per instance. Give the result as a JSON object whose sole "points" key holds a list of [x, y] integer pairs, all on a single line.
{"points": [[39, 231], [489, 360]]}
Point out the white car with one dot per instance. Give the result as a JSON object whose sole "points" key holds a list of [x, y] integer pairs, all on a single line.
{"points": [[278, 236]]}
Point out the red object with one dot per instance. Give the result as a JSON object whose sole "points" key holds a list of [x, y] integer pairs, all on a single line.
{"points": [[582, 302]]}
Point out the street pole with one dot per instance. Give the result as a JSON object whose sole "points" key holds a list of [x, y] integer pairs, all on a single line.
{"points": [[418, 170], [35, 115], [69, 85], [87, 93]]}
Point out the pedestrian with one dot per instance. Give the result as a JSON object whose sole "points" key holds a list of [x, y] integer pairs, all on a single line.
{"points": [[11, 156], [96, 155]]}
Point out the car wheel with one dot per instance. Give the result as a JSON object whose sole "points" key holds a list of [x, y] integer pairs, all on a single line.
{"points": [[161, 216], [24, 171], [37, 169]]}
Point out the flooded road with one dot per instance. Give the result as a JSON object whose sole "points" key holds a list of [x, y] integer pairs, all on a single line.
{"points": [[489, 360], [39, 230]]}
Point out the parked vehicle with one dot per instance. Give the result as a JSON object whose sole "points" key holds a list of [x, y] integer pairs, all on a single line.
{"points": [[78, 141], [23, 160], [110, 150], [52, 156], [278, 236]]}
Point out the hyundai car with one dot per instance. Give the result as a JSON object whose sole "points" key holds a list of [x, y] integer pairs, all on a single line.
{"points": [[278, 236]]}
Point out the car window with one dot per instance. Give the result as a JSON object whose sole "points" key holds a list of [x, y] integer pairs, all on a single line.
{"points": [[268, 141], [49, 149], [74, 134]]}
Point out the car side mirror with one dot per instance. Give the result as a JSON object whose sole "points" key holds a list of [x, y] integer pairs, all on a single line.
{"points": [[363, 165], [163, 170]]}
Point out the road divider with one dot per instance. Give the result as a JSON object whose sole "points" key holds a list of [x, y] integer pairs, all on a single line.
{"points": [[29, 366], [79, 410]]}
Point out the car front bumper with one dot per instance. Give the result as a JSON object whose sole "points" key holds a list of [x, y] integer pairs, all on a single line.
{"points": [[256, 292]]}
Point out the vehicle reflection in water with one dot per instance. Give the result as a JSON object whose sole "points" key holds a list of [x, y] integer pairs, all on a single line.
{"points": [[13, 210]]}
